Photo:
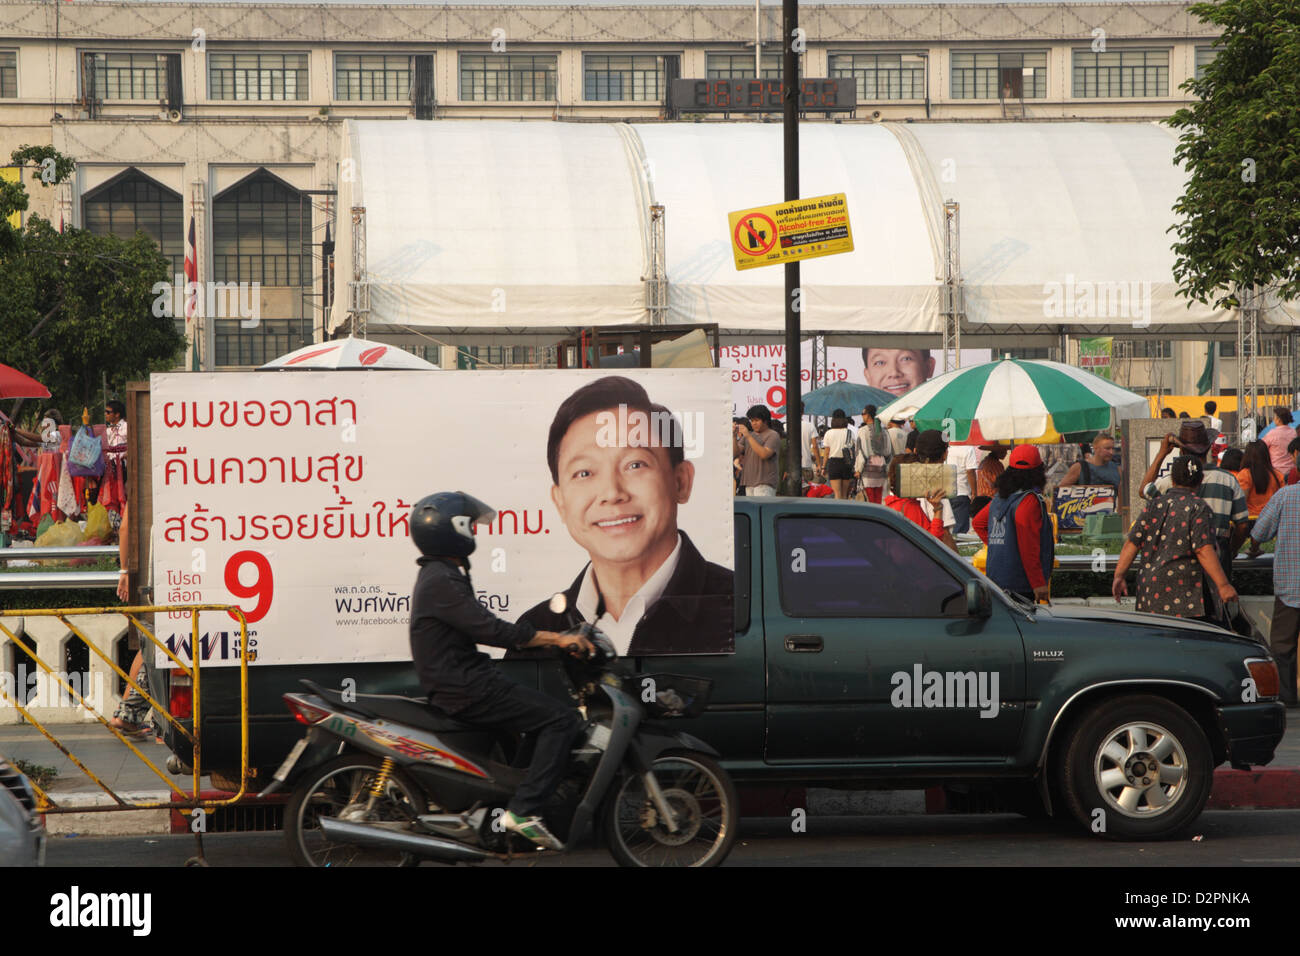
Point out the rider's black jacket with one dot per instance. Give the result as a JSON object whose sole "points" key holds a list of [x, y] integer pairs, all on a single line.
{"points": [[446, 622]]}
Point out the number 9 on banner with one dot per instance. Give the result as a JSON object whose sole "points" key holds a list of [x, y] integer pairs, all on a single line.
{"points": [[262, 588]]}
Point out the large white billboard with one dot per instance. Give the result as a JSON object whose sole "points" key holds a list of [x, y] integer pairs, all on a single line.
{"points": [[289, 494]]}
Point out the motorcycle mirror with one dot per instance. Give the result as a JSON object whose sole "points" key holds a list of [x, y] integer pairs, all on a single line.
{"points": [[559, 603]]}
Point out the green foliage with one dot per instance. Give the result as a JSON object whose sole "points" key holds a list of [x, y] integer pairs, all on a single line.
{"points": [[30, 599], [75, 306], [1240, 213], [38, 774]]}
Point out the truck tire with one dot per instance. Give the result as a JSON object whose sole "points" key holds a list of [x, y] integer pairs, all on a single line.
{"points": [[1136, 768]]}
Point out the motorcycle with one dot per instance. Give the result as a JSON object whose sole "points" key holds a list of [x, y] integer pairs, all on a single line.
{"points": [[387, 780]]}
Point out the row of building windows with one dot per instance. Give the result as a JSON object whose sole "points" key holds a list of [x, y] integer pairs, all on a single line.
{"points": [[259, 230], [615, 77]]}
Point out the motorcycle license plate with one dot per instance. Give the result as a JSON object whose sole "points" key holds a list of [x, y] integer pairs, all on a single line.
{"points": [[283, 773]]}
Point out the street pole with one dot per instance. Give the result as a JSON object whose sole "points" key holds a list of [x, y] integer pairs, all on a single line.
{"points": [[793, 397]]}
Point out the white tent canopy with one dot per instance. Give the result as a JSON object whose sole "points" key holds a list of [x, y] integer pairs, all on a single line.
{"points": [[494, 225]]}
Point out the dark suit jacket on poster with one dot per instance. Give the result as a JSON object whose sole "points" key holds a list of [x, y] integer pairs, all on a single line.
{"points": [[693, 616]]}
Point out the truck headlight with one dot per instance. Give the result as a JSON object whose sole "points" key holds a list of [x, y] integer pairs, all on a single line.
{"points": [[1264, 673]]}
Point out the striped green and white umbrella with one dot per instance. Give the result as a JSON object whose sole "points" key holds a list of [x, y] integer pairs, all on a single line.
{"points": [[1018, 400]]}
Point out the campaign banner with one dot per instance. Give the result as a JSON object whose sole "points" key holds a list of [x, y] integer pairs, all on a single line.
{"points": [[758, 371], [1074, 503], [1095, 355], [289, 495]]}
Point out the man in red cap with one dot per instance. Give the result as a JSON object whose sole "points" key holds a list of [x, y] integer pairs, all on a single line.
{"points": [[1017, 530]]}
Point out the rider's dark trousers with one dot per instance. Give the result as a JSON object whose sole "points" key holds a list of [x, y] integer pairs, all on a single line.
{"points": [[521, 710]]}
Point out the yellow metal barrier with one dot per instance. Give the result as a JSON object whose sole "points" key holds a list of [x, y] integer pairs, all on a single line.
{"points": [[187, 801]]}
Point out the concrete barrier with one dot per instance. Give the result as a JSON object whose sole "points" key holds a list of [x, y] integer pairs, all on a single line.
{"points": [[51, 639]]}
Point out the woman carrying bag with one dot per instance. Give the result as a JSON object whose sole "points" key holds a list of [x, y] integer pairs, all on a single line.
{"points": [[1175, 548], [874, 451], [838, 443]]}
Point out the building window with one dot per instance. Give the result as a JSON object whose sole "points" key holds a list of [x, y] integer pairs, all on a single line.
{"points": [[990, 76], [738, 66], [1269, 347], [379, 76], [500, 76], [8, 74], [507, 356], [1047, 354], [1142, 349], [1133, 73], [622, 77], [882, 76], [127, 76], [1204, 55], [257, 76], [132, 202], [259, 235]]}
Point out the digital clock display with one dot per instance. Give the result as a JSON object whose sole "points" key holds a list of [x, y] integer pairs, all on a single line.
{"points": [[761, 96]]}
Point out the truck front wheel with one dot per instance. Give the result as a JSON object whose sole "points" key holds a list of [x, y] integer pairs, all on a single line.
{"points": [[1136, 768]]}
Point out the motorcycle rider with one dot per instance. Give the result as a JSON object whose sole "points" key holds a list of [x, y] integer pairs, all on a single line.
{"points": [[447, 622]]}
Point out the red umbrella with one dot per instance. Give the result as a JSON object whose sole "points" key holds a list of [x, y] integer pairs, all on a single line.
{"points": [[14, 384]]}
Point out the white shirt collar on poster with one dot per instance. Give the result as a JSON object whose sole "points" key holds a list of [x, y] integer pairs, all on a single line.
{"points": [[620, 631]]}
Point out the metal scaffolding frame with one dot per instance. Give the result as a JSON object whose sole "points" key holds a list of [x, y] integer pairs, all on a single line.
{"points": [[952, 302], [359, 287], [1247, 361], [656, 283]]}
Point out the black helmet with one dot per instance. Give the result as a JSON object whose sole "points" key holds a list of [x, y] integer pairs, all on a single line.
{"points": [[442, 524]]}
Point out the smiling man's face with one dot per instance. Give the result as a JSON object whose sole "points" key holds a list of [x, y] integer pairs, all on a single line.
{"points": [[619, 503], [897, 370]]}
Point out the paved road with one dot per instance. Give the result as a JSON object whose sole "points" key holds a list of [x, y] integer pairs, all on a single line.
{"points": [[1229, 838]]}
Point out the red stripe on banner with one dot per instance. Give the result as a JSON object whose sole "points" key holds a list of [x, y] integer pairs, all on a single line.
{"points": [[311, 355]]}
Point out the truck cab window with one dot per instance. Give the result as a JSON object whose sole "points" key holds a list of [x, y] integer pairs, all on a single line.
{"points": [[856, 567]]}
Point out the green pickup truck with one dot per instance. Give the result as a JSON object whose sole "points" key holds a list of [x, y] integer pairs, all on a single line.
{"points": [[868, 656]]}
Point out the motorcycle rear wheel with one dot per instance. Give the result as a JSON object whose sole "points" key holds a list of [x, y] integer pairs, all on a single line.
{"points": [[703, 798], [331, 789]]}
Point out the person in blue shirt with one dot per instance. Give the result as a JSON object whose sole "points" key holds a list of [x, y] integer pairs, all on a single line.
{"points": [[1280, 519]]}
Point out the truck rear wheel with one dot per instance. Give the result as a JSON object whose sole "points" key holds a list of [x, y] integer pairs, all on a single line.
{"points": [[1136, 767]]}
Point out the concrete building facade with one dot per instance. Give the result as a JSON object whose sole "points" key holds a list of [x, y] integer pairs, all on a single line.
{"points": [[228, 115]]}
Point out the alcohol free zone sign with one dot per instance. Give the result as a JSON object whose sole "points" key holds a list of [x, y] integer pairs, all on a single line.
{"points": [[800, 229]]}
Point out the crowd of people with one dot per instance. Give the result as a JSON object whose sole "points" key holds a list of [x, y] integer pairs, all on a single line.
{"points": [[1198, 511]]}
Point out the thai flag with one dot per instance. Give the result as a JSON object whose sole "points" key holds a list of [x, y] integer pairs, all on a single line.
{"points": [[191, 296]]}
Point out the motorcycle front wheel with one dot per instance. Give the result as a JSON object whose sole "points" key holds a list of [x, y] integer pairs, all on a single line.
{"points": [[341, 789], [702, 798]]}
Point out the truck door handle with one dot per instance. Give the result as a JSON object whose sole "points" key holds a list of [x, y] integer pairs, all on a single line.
{"points": [[804, 643]]}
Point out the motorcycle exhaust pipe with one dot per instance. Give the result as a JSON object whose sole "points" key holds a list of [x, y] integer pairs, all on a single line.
{"points": [[429, 847]]}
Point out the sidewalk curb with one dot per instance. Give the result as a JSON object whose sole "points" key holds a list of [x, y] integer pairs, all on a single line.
{"points": [[1275, 789], [1266, 789], [108, 822]]}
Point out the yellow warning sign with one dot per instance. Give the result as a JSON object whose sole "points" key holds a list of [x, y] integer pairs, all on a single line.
{"points": [[799, 229]]}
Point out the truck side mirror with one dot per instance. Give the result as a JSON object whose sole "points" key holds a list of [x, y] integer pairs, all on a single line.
{"points": [[978, 601]]}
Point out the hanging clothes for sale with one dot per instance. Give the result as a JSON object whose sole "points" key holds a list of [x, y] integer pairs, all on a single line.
{"points": [[49, 464], [8, 476], [71, 491], [112, 487]]}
